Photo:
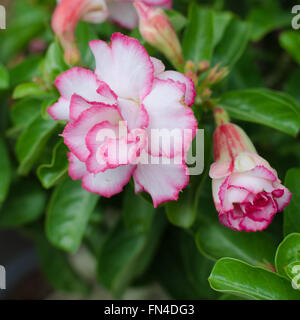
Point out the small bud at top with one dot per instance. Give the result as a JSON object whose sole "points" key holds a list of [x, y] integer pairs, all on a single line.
{"points": [[156, 29]]}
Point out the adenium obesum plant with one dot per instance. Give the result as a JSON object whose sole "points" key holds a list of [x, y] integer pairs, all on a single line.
{"points": [[112, 114], [246, 190], [69, 12]]}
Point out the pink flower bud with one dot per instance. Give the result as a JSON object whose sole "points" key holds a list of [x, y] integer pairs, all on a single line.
{"points": [[66, 17], [157, 30], [246, 190]]}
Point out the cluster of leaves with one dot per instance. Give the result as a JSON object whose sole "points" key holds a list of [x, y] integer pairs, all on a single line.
{"points": [[180, 245]]}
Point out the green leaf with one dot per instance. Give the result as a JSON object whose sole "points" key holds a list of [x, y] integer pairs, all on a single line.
{"points": [[291, 86], [23, 112], [49, 174], [293, 272], [216, 241], [126, 253], [265, 20], [25, 71], [292, 211], [29, 89], [196, 266], [238, 277], [290, 41], [54, 63], [137, 212], [177, 19], [32, 141], [288, 251], [68, 214], [199, 35], [233, 43], [58, 270], [25, 203], [5, 171], [4, 78], [221, 21], [180, 269], [84, 34], [271, 108]]}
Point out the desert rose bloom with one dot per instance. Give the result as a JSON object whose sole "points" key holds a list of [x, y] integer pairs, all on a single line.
{"points": [[156, 29], [246, 190], [129, 95], [68, 13]]}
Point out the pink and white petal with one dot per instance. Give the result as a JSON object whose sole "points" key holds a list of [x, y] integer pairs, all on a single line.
{"points": [[159, 67], [79, 104], [220, 169], [190, 92], [252, 183], [123, 14], [162, 181], [108, 183], [285, 199], [75, 132], [98, 12], [135, 115], [167, 112], [77, 169], [216, 185], [60, 110], [125, 66], [162, 3], [263, 173], [95, 138], [234, 195], [105, 91], [233, 219], [80, 81], [247, 224]]}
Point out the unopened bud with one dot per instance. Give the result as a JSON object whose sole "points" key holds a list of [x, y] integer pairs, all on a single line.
{"points": [[203, 66], [156, 29], [190, 66], [216, 75], [66, 17]]}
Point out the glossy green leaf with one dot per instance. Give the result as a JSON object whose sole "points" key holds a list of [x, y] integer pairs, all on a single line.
{"points": [[290, 41], [137, 212], [180, 269], [291, 86], [5, 171], [29, 89], [233, 43], [288, 251], [23, 112], [265, 20], [216, 241], [32, 141], [237, 277], [4, 78], [58, 270], [84, 34], [292, 211], [25, 71], [221, 22], [271, 108], [25, 203], [50, 173], [199, 35], [54, 63], [126, 253], [68, 214]]}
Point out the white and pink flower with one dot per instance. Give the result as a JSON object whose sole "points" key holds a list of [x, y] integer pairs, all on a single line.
{"points": [[246, 190], [111, 114], [69, 12]]}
